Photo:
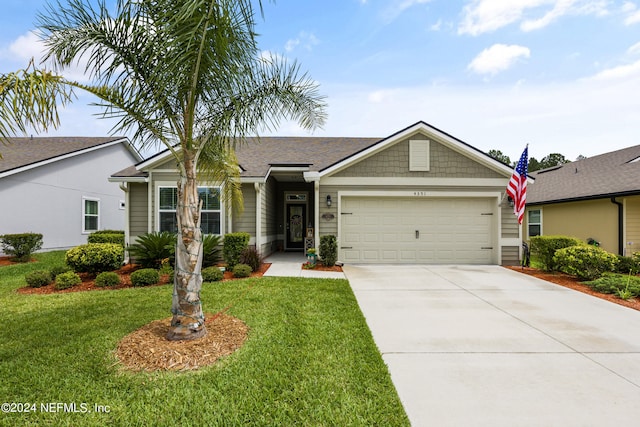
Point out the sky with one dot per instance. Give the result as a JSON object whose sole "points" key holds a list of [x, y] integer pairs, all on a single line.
{"points": [[560, 75]]}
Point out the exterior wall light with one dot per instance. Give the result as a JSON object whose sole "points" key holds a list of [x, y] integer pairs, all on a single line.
{"points": [[328, 199]]}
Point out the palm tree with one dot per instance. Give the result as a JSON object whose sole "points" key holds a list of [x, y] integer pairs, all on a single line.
{"points": [[183, 73]]}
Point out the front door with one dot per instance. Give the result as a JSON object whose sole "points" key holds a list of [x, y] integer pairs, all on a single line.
{"points": [[296, 220]]}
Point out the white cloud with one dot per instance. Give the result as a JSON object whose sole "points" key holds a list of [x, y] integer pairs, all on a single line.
{"points": [[497, 58], [398, 7], [620, 72], [304, 39], [25, 47], [482, 16], [634, 50]]}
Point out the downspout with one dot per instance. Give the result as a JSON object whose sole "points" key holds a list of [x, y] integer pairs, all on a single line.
{"points": [[620, 225]]}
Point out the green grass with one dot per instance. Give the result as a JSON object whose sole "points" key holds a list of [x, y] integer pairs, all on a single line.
{"points": [[309, 360]]}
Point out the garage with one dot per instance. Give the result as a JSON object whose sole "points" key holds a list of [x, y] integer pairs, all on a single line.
{"points": [[429, 230]]}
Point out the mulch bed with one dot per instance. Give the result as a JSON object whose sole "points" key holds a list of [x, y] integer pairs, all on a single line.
{"points": [[147, 349], [88, 281], [321, 267], [573, 283]]}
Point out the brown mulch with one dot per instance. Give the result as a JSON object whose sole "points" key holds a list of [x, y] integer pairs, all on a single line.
{"points": [[321, 267], [147, 349], [88, 281], [573, 283]]}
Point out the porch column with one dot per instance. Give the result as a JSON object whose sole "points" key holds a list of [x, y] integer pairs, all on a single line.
{"points": [[258, 188], [316, 213]]}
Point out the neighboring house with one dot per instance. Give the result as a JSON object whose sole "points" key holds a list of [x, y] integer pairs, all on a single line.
{"points": [[595, 198], [417, 196], [59, 187]]}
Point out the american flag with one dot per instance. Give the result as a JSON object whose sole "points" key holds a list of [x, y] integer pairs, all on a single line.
{"points": [[517, 188]]}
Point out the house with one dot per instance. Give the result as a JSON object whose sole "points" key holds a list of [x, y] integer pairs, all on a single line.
{"points": [[594, 198], [58, 186], [417, 196]]}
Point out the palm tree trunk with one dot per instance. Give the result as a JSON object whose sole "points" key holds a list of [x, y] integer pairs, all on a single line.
{"points": [[188, 318]]}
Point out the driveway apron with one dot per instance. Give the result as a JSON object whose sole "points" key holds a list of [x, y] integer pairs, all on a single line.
{"points": [[487, 346]]}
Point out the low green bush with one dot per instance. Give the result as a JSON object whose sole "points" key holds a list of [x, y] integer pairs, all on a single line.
{"points": [[328, 250], [212, 274], [145, 277], [241, 270], [98, 237], [150, 249], [59, 269], [233, 246], [107, 278], [95, 257], [252, 258], [21, 246], [627, 264], [585, 261], [38, 278], [545, 247], [616, 283], [67, 280], [109, 232]]}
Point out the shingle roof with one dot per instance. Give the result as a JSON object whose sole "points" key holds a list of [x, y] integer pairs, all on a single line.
{"points": [[21, 152], [255, 157], [611, 174]]}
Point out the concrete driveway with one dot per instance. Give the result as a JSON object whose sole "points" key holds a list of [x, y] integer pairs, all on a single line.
{"points": [[486, 346]]}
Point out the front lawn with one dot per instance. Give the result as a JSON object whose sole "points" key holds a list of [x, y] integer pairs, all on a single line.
{"points": [[309, 359]]}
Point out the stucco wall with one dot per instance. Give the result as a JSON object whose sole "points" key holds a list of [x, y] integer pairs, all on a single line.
{"points": [[597, 219]]}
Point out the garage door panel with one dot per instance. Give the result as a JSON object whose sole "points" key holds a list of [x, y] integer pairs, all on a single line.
{"points": [[450, 230]]}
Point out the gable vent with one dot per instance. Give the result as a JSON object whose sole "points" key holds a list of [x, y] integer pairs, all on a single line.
{"points": [[419, 155]]}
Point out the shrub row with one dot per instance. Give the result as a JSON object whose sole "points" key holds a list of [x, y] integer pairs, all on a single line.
{"points": [[95, 257], [573, 256]]}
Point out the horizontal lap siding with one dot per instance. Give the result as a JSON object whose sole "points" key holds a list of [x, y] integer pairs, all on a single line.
{"points": [[138, 210]]}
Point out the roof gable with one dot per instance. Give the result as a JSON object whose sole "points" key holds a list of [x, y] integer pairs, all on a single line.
{"points": [[489, 166], [22, 154], [607, 175]]}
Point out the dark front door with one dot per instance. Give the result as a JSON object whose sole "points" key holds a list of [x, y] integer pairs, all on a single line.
{"points": [[296, 220]]}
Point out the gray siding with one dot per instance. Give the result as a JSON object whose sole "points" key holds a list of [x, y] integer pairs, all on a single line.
{"points": [[246, 222], [509, 221], [138, 210], [394, 162], [510, 255]]}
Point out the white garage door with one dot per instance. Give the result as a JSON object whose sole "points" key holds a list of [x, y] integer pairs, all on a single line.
{"points": [[417, 230]]}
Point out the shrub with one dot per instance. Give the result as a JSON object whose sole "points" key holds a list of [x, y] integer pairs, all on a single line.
{"points": [[67, 280], [21, 246], [39, 278], [109, 232], [107, 278], [59, 269], [585, 262], [627, 264], [234, 244], [95, 257], [145, 277], [328, 250], [151, 249], [241, 270], [545, 247], [616, 283], [211, 250], [252, 258], [101, 237], [212, 274]]}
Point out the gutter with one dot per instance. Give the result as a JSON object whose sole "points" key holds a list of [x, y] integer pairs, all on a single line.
{"points": [[620, 225]]}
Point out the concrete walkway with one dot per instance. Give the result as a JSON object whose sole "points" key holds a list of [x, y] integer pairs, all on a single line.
{"points": [[289, 264], [486, 346]]}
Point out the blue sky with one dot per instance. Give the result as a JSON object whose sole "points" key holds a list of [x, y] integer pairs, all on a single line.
{"points": [[560, 75]]}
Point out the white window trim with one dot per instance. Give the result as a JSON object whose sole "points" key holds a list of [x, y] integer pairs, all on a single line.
{"points": [[529, 224], [165, 184], [84, 214]]}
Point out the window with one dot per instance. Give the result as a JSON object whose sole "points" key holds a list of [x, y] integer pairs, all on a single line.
{"points": [[210, 222], [90, 215], [534, 223]]}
